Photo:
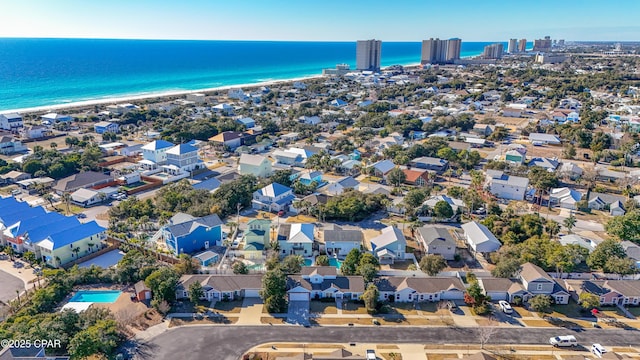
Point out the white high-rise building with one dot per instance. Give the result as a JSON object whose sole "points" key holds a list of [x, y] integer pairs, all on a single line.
{"points": [[493, 51], [368, 55], [522, 45], [513, 46]]}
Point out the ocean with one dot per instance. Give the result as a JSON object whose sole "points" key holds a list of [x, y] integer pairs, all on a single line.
{"points": [[46, 72]]}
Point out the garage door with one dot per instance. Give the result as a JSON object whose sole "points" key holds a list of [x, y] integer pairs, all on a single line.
{"points": [[298, 297], [147, 295], [496, 296], [252, 293], [452, 295]]}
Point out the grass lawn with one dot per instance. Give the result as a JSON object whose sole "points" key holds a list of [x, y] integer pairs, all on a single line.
{"points": [[522, 311], [635, 310], [571, 310], [400, 265], [353, 308], [391, 356], [203, 321], [403, 308], [232, 307], [537, 323], [272, 320], [323, 308], [441, 356], [429, 307], [189, 307]]}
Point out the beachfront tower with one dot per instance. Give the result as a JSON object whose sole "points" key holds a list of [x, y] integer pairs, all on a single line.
{"points": [[513, 46], [436, 51], [368, 55], [522, 45]]}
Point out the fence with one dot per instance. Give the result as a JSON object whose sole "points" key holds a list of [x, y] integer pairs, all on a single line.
{"points": [[112, 246]]}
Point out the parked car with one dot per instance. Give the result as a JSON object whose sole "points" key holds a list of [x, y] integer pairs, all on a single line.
{"points": [[81, 216], [371, 354], [598, 350], [281, 213], [563, 341], [451, 305], [505, 307]]}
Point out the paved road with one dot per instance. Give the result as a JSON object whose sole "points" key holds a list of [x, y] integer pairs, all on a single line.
{"points": [[230, 342], [9, 284]]}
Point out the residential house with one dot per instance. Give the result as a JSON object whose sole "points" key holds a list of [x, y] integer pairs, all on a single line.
{"points": [[483, 129], [631, 249], [480, 239], [155, 153], [182, 158], [256, 165], [600, 201], [544, 139], [224, 109], [339, 242], [11, 122], [610, 292], [430, 163], [185, 234], [437, 240], [211, 185], [87, 197], [221, 287], [321, 282], [257, 236], [35, 132], [570, 170], [211, 256], [143, 292], [505, 186], [389, 246], [296, 239], [583, 242], [616, 208], [548, 164], [382, 168], [81, 180], [247, 122], [308, 177], [511, 112], [289, 158], [565, 197], [10, 145], [503, 289], [537, 282], [273, 197], [66, 244], [456, 204], [418, 289], [338, 187], [105, 126], [228, 139], [13, 177], [415, 177]]}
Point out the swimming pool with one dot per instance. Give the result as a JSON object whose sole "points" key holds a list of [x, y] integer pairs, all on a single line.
{"points": [[335, 262], [96, 296], [308, 262]]}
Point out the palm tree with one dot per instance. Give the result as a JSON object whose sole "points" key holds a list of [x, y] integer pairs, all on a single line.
{"points": [[48, 197], [9, 251], [570, 222], [90, 246], [76, 250], [66, 198]]}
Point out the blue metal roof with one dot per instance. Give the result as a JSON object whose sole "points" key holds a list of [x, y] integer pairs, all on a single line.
{"points": [[11, 205], [41, 232], [69, 236], [28, 225], [27, 213]]}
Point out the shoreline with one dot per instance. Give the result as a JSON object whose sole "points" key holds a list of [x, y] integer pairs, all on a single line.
{"points": [[163, 94]]}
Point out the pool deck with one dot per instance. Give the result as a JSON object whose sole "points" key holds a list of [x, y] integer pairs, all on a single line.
{"points": [[123, 308]]}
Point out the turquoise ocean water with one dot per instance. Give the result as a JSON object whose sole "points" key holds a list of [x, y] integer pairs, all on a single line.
{"points": [[44, 72]]}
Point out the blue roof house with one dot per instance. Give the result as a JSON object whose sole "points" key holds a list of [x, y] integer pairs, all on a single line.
{"points": [[247, 122], [185, 234], [273, 197], [67, 244]]}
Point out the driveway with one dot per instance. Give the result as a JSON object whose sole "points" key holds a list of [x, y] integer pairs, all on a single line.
{"points": [[8, 286], [230, 342], [298, 312]]}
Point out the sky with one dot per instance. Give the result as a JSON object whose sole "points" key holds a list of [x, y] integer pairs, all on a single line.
{"points": [[322, 20]]}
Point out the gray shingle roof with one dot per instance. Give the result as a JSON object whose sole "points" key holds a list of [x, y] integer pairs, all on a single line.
{"points": [[188, 226]]}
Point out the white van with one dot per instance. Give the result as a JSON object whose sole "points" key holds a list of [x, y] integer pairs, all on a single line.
{"points": [[563, 341], [598, 350]]}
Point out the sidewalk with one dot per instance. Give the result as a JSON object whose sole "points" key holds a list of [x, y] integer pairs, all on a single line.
{"points": [[152, 331], [251, 312]]}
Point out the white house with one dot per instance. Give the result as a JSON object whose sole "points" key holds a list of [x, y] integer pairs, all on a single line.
{"points": [[339, 242], [256, 165], [11, 122], [505, 186], [34, 132], [438, 241], [316, 282], [543, 139], [105, 126], [273, 197], [10, 145], [183, 157], [418, 289], [296, 239], [338, 187], [389, 246], [479, 238], [565, 197], [155, 152]]}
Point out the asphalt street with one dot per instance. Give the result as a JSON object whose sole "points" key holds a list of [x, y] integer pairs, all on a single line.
{"points": [[230, 342]]}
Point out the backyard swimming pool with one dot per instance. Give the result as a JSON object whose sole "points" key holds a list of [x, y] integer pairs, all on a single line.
{"points": [[96, 296]]}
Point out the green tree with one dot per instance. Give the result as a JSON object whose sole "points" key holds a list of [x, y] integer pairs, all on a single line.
{"points": [[322, 260], [443, 210], [432, 264], [588, 301], [396, 177], [351, 262], [292, 264], [625, 227], [368, 272], [605, 251], [274, 291], [187, 265], [620, 265], [162, 283], [540, 303], [240, 268], [570, 222], [569, 151], [370, 298], [99, 339], [29, 257], [506, 267], [195, 292]]}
